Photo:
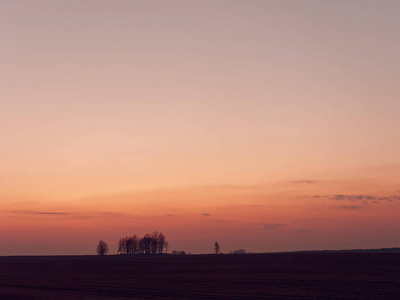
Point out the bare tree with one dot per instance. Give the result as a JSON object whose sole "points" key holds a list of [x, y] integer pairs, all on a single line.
{"points": [[216, 248], [135, 243], [154, 243], [141, 246], [102, 248], [122, 246], [166, 246], [146, 243], [162, 243], [129, 245]]}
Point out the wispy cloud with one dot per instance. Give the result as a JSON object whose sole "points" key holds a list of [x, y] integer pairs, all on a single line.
{"points": [[33, 212], [273, 226], [366, 199], [350, 207], [353, 197], [305, 181], [304, 230], [206, 214], [357, 198], [73, 215]]}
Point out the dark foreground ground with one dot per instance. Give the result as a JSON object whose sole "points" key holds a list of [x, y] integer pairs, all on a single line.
{"points": [[253, 276]]}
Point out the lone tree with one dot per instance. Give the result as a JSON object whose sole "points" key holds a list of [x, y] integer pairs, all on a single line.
{"points": [[216, 248], [102, 248]]}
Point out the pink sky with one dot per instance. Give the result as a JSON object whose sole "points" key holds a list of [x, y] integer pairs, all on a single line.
{"points": [[206, 120]]}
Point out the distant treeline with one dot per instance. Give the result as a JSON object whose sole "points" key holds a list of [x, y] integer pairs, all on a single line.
{"points": [[353, 250], [155, 243]]}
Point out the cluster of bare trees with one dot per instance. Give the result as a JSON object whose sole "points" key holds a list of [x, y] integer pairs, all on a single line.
{"points": [[154, 243]]}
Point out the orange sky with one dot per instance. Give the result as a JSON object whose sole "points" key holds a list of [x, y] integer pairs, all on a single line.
{"points": [[206, 120]]}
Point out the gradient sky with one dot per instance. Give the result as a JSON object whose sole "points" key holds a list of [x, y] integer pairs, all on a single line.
{"points": [[263, 125]]}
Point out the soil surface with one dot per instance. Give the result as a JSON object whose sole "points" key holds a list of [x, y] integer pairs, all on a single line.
{"points": [[252, 276]]}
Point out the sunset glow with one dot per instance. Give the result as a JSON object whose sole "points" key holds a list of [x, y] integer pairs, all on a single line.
{"points": [[263, 125]]}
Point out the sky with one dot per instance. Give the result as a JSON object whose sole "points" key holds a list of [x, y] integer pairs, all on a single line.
{"points": [[263, 125]]}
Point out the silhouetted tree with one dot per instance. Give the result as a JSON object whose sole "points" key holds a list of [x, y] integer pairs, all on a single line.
{"points": [[141, 246], [216, 248], [122, 246], [129, 245], [146, 243], [162, 243], [135, 243], [154, 243], [102, 248]]}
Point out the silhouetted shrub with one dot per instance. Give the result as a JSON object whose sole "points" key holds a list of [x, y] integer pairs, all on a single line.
{"points": [[102, 248], [239, 251], [178, 252]]}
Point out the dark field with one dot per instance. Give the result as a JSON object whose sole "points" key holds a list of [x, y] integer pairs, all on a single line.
{"points": [[254, 276]]}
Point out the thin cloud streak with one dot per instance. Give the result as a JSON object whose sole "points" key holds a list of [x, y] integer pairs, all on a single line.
{"points": [[32, 212], [304, 230], [349, 207], [364, 198], [305, 181], [274, 226]]}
